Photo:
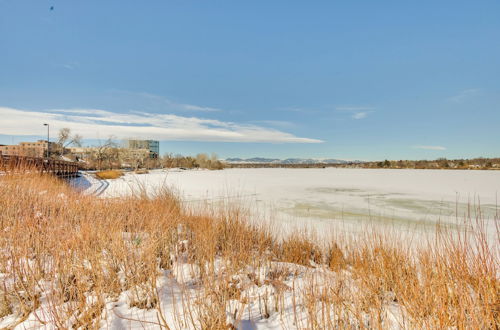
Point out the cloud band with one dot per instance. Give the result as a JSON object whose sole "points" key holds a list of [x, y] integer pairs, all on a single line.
{"points": [[93, 123]]}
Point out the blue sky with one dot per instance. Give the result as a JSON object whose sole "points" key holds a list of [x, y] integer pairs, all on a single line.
{"points": [[354, 79]]}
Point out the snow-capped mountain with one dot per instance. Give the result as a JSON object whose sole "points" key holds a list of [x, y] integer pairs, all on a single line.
{"points": [[261, 160]]}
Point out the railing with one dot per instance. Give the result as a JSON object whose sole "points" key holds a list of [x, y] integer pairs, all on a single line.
{"points": [[10, 163]]}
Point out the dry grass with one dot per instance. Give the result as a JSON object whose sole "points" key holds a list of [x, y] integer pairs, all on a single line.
{"points": [[66, 257], [109, 174]]}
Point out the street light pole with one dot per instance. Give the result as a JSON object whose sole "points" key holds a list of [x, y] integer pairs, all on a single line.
{"points": [[48, 141]]}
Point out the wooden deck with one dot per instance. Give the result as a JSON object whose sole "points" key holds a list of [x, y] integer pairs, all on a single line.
{"points": [[17, 164]]}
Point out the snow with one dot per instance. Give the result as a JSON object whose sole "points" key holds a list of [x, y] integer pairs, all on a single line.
{"points": [[180, 299], [331, 198], [89, 184]]}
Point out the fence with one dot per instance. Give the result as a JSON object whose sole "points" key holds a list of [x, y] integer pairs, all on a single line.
{"points": [[10, 163]]}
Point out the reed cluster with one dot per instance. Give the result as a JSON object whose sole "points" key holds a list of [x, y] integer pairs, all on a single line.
{"points": [[109, 174]]}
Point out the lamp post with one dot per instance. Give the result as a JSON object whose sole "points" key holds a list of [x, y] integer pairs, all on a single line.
{"points": [[48, 143]]}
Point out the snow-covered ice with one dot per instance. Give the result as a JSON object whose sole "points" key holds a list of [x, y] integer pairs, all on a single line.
{"points": [[332, 197]]}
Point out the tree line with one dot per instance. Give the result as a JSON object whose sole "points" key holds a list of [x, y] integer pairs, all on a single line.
{"points": [[440, 163], [108, 154]]}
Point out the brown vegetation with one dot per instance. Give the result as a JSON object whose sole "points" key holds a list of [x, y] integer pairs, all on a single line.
{"points": [[200, 161], [110, 156], [66, 257], [109, 174], [440, 163]]}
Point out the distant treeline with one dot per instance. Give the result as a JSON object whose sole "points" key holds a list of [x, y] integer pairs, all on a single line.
{"points": [[279, 165], [112, 159], [441, 163], [200, 161]]}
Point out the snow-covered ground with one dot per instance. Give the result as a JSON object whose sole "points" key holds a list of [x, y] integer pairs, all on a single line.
{"points": [[332, 197]]}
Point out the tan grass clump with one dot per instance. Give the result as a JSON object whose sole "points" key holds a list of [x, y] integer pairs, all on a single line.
{"points": [[109, 174]]}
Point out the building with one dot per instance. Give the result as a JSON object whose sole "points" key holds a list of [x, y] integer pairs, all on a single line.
{"points": [[82, 152], [29, 149], [151, 145]]}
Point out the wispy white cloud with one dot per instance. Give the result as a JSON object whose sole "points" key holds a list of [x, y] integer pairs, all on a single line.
{"points": [[358, 112], [190, 107], [360, 115], [68, 65], [464, 95], [166, 103], [430, 147], [96, 123]]}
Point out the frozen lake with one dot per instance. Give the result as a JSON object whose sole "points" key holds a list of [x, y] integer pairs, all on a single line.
{"points": [[333, 197]]}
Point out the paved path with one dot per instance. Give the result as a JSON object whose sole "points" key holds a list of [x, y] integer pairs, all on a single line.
{"points": [[89, 185]]}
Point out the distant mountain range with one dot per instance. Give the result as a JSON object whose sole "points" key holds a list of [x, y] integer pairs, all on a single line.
{"points": [[260, 160]]}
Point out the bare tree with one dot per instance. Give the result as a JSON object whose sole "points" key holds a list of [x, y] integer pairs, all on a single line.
{"points": [[106, 152], [65, 139]]}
